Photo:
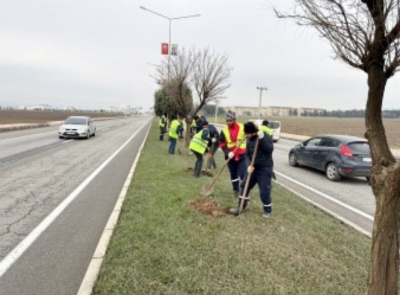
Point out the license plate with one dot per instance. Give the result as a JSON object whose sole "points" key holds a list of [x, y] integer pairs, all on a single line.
{"points": [[366, 160]]}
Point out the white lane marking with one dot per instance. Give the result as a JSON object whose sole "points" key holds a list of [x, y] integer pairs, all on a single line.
{"points": [[327, 197], [17, 252]]}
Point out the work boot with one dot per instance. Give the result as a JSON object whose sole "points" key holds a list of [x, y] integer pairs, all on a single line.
{"points": [[266, 215], [234, 211]]}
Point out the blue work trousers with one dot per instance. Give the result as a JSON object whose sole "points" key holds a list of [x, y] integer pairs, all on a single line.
{"points": [[172, 145], [237, 170], [262, 177]]}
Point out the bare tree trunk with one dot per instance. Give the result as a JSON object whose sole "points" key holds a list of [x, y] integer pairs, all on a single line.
{"points": [[385, 182]]}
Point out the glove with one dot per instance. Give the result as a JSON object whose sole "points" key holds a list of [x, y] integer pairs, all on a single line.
{"points": [[214, 140], [250, 169], [230, 155], [260, 134]]}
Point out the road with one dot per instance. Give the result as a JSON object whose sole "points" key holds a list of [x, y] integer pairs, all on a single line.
{"points": [[350, 199], [39, 173]]}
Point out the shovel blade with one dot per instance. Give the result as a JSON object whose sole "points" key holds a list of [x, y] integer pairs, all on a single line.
{"points": [[207, 190]]}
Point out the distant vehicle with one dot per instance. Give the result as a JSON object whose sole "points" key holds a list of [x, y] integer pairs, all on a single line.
{"points": [[275, 126], [77, 127], [337, 155]]}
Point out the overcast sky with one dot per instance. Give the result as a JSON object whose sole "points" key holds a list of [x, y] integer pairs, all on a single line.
{"points": [[96, 54]]}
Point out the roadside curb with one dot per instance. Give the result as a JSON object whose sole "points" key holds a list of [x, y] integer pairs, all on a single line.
{"points": [[92, 272]]}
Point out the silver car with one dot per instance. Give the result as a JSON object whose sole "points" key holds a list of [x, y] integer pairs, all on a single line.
{"points": [[77, 127]]}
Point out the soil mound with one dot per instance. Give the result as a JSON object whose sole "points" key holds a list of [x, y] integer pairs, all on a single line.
{"points": [[212, 208]]}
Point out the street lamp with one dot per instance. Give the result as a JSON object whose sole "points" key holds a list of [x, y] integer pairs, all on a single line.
{"points": [[216, 106], [259, 103], [170, 19]]}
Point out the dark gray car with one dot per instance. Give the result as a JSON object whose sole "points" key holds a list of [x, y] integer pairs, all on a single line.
{"points": [[337, 155]]}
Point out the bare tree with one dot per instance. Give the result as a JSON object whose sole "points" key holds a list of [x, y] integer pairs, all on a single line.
{"points": [[176, 76], [207, 70], [365, 34], [211, 76]]}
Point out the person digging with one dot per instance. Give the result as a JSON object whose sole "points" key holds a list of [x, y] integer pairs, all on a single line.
{"points": [[260, 146]]}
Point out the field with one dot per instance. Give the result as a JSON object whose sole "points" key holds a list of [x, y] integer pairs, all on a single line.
{"points": [[43, 117]]}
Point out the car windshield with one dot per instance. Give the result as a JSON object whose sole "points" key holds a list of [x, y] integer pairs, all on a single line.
{"points": [[273, 125], [359, 147], [77, 121]]}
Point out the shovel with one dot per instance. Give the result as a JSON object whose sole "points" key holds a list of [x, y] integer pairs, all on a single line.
{"points": [[248, 176], [208, 161], [208, 189]]}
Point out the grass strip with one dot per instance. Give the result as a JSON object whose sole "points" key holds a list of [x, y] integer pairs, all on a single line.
{"points": [[162, 246]]}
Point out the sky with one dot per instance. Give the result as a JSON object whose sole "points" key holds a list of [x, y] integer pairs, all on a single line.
{"points": [[95, 54]]}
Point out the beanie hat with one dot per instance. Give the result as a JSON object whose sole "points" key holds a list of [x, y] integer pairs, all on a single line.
{"points": [[231, 115], [250, 127]]}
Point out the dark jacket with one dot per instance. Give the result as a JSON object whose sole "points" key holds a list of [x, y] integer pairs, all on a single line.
{"points": [[213, 133], [264, 152], [199, 123]]}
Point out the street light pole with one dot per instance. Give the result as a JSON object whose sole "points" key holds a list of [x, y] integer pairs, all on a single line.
{"points": [[170, 19], [259, 102], [216, 106]]}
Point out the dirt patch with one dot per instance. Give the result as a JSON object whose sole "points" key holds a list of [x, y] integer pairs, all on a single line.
{"points": [[211, 208], [189, 170], [207, 173]]}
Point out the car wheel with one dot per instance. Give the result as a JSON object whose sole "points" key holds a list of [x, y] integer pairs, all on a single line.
{"points": [[293, 160], [60, 137], [332, 172], [88, 134], [94, 133]]}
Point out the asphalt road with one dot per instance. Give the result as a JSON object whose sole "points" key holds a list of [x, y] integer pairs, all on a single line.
{"points": [[41, 174]]}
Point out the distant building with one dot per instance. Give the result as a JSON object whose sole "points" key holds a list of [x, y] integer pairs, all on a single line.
{"points": [[273, 111]]}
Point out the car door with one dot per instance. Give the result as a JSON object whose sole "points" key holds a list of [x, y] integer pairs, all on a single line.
{"points": [[308, 150], [91, 127], [324, 152]]}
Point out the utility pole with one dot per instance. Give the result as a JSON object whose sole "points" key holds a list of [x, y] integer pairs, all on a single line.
{"points": [[259, 102]]}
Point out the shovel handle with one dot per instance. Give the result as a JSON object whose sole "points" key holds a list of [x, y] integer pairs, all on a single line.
{"points": [[225, 164], [248, 176]]}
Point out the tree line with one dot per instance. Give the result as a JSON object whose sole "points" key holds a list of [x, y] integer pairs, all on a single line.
{"points": [[388, 114]]}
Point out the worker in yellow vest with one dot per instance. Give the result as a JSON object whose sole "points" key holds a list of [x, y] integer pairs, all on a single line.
{"points": [[175, 131], [264, 127], [198, 145], [163, 126], [232, 142]]}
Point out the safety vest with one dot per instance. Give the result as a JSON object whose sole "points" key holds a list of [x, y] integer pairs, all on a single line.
{"points": [[162, 121], [173, 129], [198, 144], [266, 130], [240, 138]]}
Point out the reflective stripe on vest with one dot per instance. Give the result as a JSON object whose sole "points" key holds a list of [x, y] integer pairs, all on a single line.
{"points": [[173, 129], [198, 144], [229, 143]]}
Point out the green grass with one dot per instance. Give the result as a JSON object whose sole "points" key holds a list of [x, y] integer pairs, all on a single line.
{"points": [[162, 246]]}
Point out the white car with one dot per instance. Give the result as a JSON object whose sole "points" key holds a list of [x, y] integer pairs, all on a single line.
{"points": [[77, 127], [275, 126]]}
